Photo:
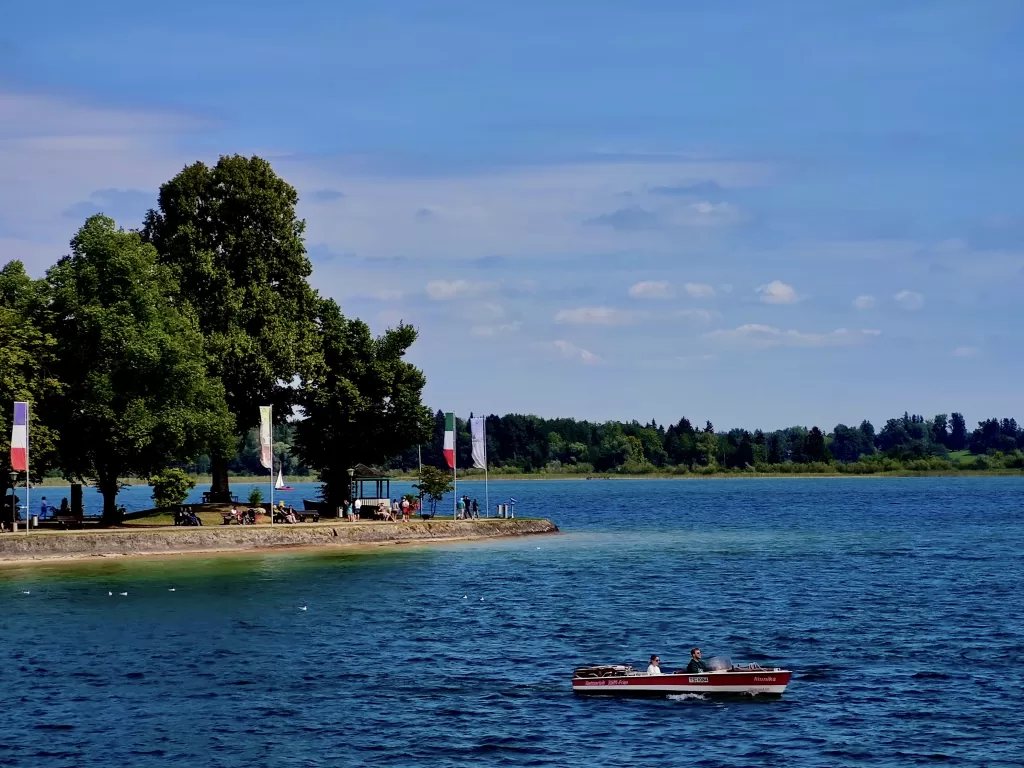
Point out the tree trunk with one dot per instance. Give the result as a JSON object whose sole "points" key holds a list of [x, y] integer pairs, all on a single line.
{"points": [[220, 491], [108, 487]]}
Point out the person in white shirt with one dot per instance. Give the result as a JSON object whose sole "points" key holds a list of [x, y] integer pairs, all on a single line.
{"points": [[654, 668]]}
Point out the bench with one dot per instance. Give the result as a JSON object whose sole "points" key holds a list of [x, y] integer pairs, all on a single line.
{"points": [[66, 521], [302, 514]]}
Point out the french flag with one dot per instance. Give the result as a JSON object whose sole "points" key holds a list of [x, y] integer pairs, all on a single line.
{"points": [[19, 438]]}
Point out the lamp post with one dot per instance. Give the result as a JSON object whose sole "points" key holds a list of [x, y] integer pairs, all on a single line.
{"points": [[14, 507], [352, 490]]}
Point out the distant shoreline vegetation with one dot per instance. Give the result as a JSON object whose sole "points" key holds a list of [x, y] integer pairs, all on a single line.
{"points": [[861, 469], [531, 447]]}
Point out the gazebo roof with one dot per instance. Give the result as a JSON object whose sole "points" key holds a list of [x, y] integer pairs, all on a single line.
{"points": [[363, 472]]}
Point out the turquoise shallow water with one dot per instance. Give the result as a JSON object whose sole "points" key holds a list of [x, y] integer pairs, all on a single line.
{"points": [[897, 602]]}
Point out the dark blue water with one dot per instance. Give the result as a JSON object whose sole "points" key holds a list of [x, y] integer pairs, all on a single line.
{"points": [[897, 602]]}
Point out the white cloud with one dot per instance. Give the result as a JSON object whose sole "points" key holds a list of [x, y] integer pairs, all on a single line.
{"points": [[572, 352], [651, 289], [864, 302], [777, 292], [387, 294], [705, 214], [697, 315], [489, 331], [444, 290], [681, 363], [909, 299], [55, 155], [593, 316], [966, 352], [700, 290], [757, 335]]}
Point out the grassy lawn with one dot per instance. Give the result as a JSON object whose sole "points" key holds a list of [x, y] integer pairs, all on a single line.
{"points": [[961, 456], [210, 514]]}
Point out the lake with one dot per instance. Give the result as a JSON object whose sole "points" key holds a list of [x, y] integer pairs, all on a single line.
{"points": [[898, 603]]}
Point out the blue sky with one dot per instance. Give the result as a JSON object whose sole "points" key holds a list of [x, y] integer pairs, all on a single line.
{"points": [[758, 213]]}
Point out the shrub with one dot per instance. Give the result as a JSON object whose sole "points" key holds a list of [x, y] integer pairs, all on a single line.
{"points": [[255, 496], [171, 486]]}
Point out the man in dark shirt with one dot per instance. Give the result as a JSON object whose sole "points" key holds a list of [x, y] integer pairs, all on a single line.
{"points": [[696, 665]]}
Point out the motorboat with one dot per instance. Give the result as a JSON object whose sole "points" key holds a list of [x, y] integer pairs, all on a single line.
{"points": [[723, 678]]}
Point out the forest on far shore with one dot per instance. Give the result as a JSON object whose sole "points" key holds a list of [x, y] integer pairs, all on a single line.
{"points": [[523, 444]]}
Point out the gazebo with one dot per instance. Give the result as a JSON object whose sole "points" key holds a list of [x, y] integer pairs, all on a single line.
{"points": [[368, 488]]}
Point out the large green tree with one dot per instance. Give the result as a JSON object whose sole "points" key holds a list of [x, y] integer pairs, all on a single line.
{"points": [[136, 390], [26, 366], [362, 400], [232, 238]]}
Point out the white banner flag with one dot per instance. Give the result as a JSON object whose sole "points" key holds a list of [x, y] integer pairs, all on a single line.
{"points": [[476, 427], [266, 438]]}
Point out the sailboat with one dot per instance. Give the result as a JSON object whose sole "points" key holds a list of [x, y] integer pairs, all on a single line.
{"points": [[279, 485]]}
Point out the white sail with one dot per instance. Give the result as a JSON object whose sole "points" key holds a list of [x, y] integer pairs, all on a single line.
{"points": [[280, 480]]}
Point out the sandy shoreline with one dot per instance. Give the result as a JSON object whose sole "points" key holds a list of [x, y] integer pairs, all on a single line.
{"points": [[86, 546]]}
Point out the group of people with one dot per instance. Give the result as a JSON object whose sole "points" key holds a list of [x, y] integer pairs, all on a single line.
{"points": [[284, 514], [45, 510], [402, 509], [696, 665], [11, 511], [464, 508]]}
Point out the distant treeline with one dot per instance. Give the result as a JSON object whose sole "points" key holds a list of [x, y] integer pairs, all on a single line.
{"points": [[527, 444]]}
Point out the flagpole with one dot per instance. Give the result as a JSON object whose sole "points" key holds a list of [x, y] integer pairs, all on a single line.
{"points": [[487, 493], [271, 465], [455, 465], [28, 483]]}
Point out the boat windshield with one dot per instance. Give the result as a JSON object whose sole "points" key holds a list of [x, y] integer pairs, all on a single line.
{"points": [[718, 664]]}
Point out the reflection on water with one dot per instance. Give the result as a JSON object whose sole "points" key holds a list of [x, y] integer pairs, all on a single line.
{"points": [[893, 601]]}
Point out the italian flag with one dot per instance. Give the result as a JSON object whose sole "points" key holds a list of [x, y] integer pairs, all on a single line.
{"points": [[449, 439]]}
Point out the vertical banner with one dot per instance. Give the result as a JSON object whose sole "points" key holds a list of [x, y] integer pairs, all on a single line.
{"points": [[19, 438], [266, 438], [449, 439], [19, 459], [476, 426], [267, 449], [449, 456]]}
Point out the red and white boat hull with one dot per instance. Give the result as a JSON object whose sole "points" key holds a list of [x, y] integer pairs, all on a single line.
{"points": [[767, 682]]}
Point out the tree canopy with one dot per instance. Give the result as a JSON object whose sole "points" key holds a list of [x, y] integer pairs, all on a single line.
{"points": [[233, 242], [136, 391], [361, 399], [27, 357]]}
